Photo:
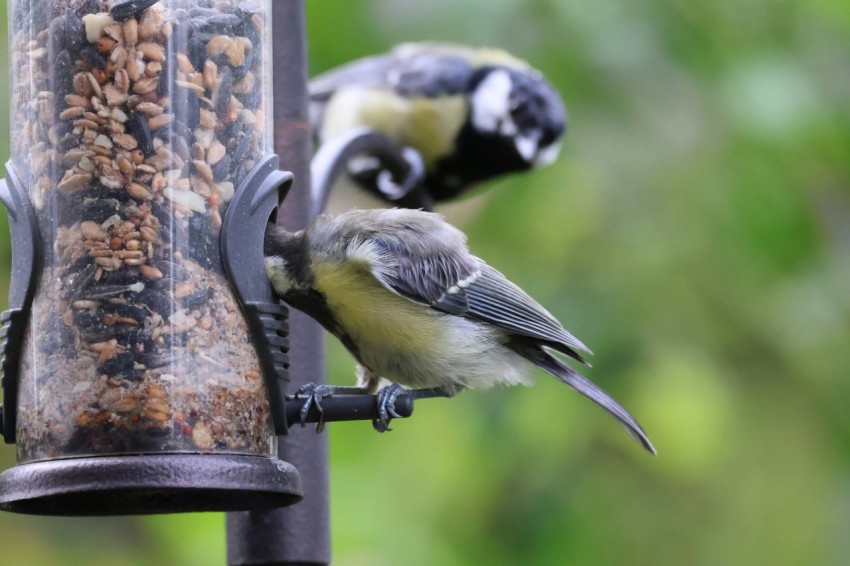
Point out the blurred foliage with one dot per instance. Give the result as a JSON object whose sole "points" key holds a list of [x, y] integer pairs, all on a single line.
{"points": [[695, 233]]}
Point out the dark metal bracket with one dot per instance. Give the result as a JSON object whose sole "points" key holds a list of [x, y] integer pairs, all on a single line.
{"points": [[403, 164], [242, 234], [142, 484], [26, 269]]}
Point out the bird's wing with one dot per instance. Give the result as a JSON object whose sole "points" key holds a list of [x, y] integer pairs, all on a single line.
{"points": [[461, 284], [492, 298], [408, 71], [368, 71], [430, 74]]}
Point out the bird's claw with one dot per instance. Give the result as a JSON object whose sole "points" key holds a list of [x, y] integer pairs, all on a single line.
{"points": [[314, 395], [385, 410]]}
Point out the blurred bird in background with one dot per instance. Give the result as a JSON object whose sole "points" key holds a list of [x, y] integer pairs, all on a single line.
{"points": [[402, 292], [470, 114]]}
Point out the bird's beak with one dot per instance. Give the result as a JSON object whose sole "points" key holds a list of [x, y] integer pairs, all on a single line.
{"points": [[547, 155], [526, 146]]}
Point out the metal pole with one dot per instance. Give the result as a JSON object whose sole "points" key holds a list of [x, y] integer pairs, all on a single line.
{"points": [[299, 534]]}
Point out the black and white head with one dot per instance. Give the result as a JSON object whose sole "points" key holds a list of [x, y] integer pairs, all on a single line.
{"points": [[520, 111], [286, 259]]}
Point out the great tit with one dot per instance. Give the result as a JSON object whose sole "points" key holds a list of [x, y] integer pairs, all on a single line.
{"points": [[400, 289], [472, 114]]}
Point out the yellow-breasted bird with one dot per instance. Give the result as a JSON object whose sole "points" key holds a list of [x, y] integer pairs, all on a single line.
{"points": [[472, 114], [402, 292]]}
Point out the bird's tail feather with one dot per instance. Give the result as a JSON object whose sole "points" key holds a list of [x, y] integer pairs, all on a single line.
{"points": [[568, 375]]}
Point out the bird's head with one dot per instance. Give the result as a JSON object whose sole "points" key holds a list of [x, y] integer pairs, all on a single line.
{"points": [[519, 108], [286, 259]]}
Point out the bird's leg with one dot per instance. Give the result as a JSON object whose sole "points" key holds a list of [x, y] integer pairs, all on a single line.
{"points": [[315, 394], [370, 381], [385, 410], [386, 403]]}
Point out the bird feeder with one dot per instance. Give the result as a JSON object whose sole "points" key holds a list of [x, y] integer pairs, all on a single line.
{"points": [[145, 358]]}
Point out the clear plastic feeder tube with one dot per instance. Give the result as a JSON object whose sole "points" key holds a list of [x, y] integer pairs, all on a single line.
{"points": [[132, 124]]}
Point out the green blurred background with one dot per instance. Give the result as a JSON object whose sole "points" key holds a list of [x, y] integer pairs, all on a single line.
{"points": [[695, 233]]}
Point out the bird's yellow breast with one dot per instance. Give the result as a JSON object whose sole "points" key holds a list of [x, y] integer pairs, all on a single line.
{"points": [[374, 316], [428, 124]]}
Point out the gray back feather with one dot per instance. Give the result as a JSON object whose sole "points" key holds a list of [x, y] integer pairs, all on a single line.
{"points": [[419, 256]]}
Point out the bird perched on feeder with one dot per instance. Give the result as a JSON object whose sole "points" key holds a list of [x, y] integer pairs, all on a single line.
{"points": [[471, 114], [400, 289]]}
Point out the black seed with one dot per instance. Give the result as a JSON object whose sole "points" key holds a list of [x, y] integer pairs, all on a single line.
{"points": [[92, 56], [202, 13], [163, 214], [122, 363], [96, 210], [97, 334], [137, 125], [156, 302], [67, 142], [181, 130], [241, 144], [166, 83], [252, 59], [174, 231], [204, 244], [76, 266], [98, 292], [197, 299], [251, 99], [125, 10], [74, 33], [239, 72], [61, 78], [158, 431], [128, 334], [90, 326], [176, 339], [187, 106], [154, 360], [87, 7], [221, 169], [126, 276], [56, 337], [80, 281], [180, 39], [57, 37], [196, 47]]}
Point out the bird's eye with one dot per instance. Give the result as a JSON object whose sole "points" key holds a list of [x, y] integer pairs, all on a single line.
{"points": [[524, 111]]}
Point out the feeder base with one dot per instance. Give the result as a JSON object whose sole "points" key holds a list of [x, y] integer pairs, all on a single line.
{"points": [[147, 484]]}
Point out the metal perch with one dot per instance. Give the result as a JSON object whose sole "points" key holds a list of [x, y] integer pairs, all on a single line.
{"points": [[400, 181]]}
